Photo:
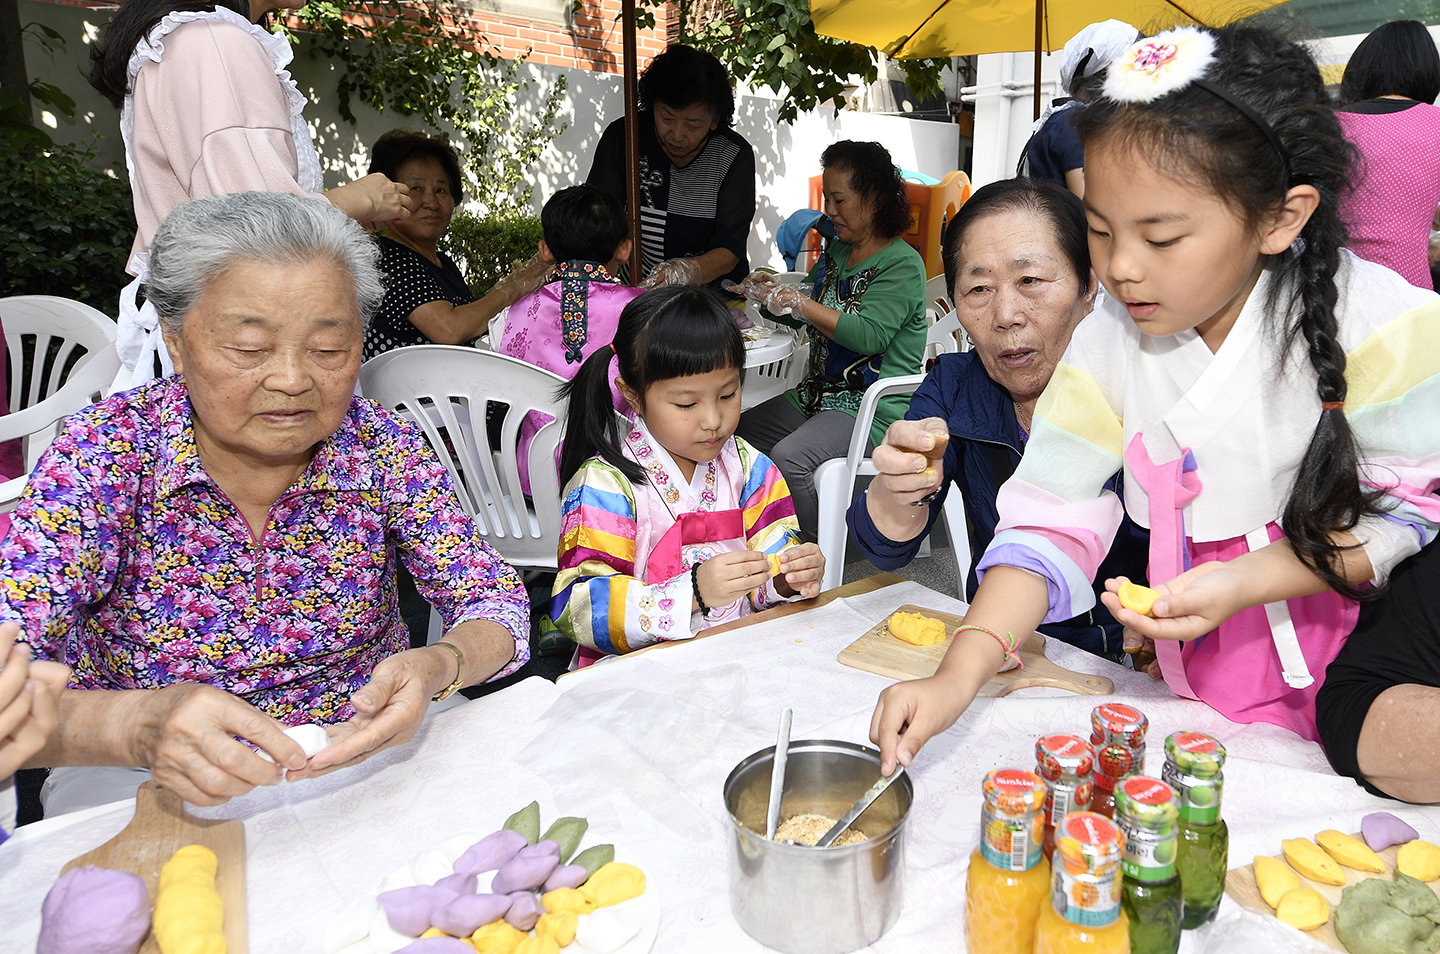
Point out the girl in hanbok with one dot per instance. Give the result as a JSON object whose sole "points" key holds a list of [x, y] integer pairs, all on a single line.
{"points": [[1269, 396], [670, 523]]}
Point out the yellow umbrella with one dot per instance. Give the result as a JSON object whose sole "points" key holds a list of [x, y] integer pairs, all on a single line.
{"points": [[920, 29]]}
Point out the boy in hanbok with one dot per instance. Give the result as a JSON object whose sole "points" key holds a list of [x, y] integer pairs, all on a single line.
{"points": [[573, 314], [670, 523], [1269, 395]]}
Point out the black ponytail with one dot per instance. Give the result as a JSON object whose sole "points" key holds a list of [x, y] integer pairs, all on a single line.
{"points": [[1198, 134], [671, 332]]}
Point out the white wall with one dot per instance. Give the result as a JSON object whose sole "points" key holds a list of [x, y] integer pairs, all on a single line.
{"points": [[1004, 97], [785, 155]]}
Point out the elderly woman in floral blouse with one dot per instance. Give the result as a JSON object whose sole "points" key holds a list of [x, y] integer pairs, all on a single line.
{"points": [[214, 553]]}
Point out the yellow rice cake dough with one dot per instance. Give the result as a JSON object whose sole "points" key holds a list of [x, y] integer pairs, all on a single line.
{"points": [[916, 628]]}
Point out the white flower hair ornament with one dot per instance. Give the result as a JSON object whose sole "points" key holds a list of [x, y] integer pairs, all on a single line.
{"points": [[1159, 65]]}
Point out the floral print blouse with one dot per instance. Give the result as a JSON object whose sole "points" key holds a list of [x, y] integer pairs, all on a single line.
{"points": [[129, 562]]}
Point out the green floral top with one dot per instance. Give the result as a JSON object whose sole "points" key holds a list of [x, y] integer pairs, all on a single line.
{"points": [[881, 332]]}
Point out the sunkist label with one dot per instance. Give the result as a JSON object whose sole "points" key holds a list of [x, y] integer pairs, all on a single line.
{"points": [[1011, 827], [1085, 883], [1149, 853]]}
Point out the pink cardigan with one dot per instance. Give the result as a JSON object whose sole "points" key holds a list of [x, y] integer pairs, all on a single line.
{"points": [[210, 118], [1396, 187]]}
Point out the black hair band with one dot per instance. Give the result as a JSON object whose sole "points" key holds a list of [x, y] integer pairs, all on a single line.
{"points": [[1215, 89]]}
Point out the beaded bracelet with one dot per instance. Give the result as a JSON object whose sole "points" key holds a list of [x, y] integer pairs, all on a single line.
{"points": [[1009, 643], [695, 585]]}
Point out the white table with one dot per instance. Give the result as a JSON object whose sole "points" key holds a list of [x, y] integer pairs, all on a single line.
{"points": [[641, 746]]}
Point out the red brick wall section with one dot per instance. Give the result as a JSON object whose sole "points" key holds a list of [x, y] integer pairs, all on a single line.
{"points": [[591, 42]]}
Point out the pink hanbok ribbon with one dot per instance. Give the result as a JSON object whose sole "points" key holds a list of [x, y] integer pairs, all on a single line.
{"points": [[1170, 486], [667, 560]]}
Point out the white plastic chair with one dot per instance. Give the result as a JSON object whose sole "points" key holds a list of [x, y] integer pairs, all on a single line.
{"points": [[44, 388], [446, 390], [835, 486]]}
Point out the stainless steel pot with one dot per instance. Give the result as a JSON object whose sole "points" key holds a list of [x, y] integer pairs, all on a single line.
{"points": [[804, 900]]}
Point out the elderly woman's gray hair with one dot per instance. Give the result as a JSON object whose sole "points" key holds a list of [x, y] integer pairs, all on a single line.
{"points": [[203, 238]]}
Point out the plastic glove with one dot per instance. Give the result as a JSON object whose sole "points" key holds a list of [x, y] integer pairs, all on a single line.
{"points": [[776, 299], [675, 271], [523, 279]]}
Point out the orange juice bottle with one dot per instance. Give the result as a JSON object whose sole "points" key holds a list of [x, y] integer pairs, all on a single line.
{"points": [[1009, 877], [1084, 915]]}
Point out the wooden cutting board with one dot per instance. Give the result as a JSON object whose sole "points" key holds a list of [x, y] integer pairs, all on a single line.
{"points": [[160, 828], [879, 652], [1240, 885]]}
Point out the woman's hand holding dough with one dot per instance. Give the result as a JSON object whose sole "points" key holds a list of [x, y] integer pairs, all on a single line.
{"points": [[907, 460]]}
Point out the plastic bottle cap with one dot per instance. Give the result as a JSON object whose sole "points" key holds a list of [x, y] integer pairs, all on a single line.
{"points": [[1147, 802], [1195, 754], [1089, 844], [1014, 792], [1064, 756], [1115, 723]]}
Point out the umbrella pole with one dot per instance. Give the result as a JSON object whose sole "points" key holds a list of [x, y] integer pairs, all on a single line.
{"points": [[1039, 26], [632, 134]]}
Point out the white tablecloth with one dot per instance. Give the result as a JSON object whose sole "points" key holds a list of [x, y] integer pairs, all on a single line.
{"points": [[642, 746]]}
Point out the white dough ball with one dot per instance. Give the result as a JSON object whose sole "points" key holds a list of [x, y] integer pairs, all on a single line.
{"points": [[351, 925], [453, 847], [401, 877], [431, 867], [312, 739], [605, 930], [385, 939]]}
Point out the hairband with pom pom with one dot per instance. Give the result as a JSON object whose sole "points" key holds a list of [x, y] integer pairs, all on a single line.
{"points": [[1171, 61], [1162, 64]]}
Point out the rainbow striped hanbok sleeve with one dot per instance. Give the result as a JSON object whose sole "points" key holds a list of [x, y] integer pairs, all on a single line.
{"points": [[598, 599], [1057, 520], [1394, 391], [769, 513]]}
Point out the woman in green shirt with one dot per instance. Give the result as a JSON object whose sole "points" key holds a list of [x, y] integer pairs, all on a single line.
{"points": [[866, 320]]}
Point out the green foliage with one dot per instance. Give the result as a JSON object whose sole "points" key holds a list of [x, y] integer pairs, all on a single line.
{"points": [[16, 128], [486, 248], [68, 227], [773, 43], [415, 58]]}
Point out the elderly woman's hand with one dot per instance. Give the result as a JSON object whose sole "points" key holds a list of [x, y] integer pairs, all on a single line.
{"points": [[778, 299], [28, 691], [674, 271], [909, 459], [186, 736], [523, 278], [374, 200], [388, 709]]}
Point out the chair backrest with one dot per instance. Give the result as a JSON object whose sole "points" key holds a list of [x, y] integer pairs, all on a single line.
{"points": [[942, 338], [860, 437], [448, 391], [85, 383], [45, 337]]}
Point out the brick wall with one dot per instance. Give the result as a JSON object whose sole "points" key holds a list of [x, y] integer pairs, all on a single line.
{"points": [[590, 41]]}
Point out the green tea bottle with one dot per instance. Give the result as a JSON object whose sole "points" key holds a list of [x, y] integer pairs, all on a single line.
{"points": [[1193, 763], [1146, 810]]}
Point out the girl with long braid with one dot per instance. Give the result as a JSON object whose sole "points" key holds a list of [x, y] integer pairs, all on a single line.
{"points": [[1268, 395]]}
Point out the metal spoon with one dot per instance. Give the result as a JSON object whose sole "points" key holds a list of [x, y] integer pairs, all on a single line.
{"points": [[858, 809], [777, 773]]}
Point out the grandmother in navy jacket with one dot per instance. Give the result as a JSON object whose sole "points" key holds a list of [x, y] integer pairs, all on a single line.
{"points": [[1018, 269]]}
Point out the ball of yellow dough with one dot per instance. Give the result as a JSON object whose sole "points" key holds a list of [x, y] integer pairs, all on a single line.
{"points": [[1420, 860], [1304, 909]]}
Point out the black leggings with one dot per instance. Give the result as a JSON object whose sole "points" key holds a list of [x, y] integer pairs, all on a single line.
{"points": [[1396, 642]]}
